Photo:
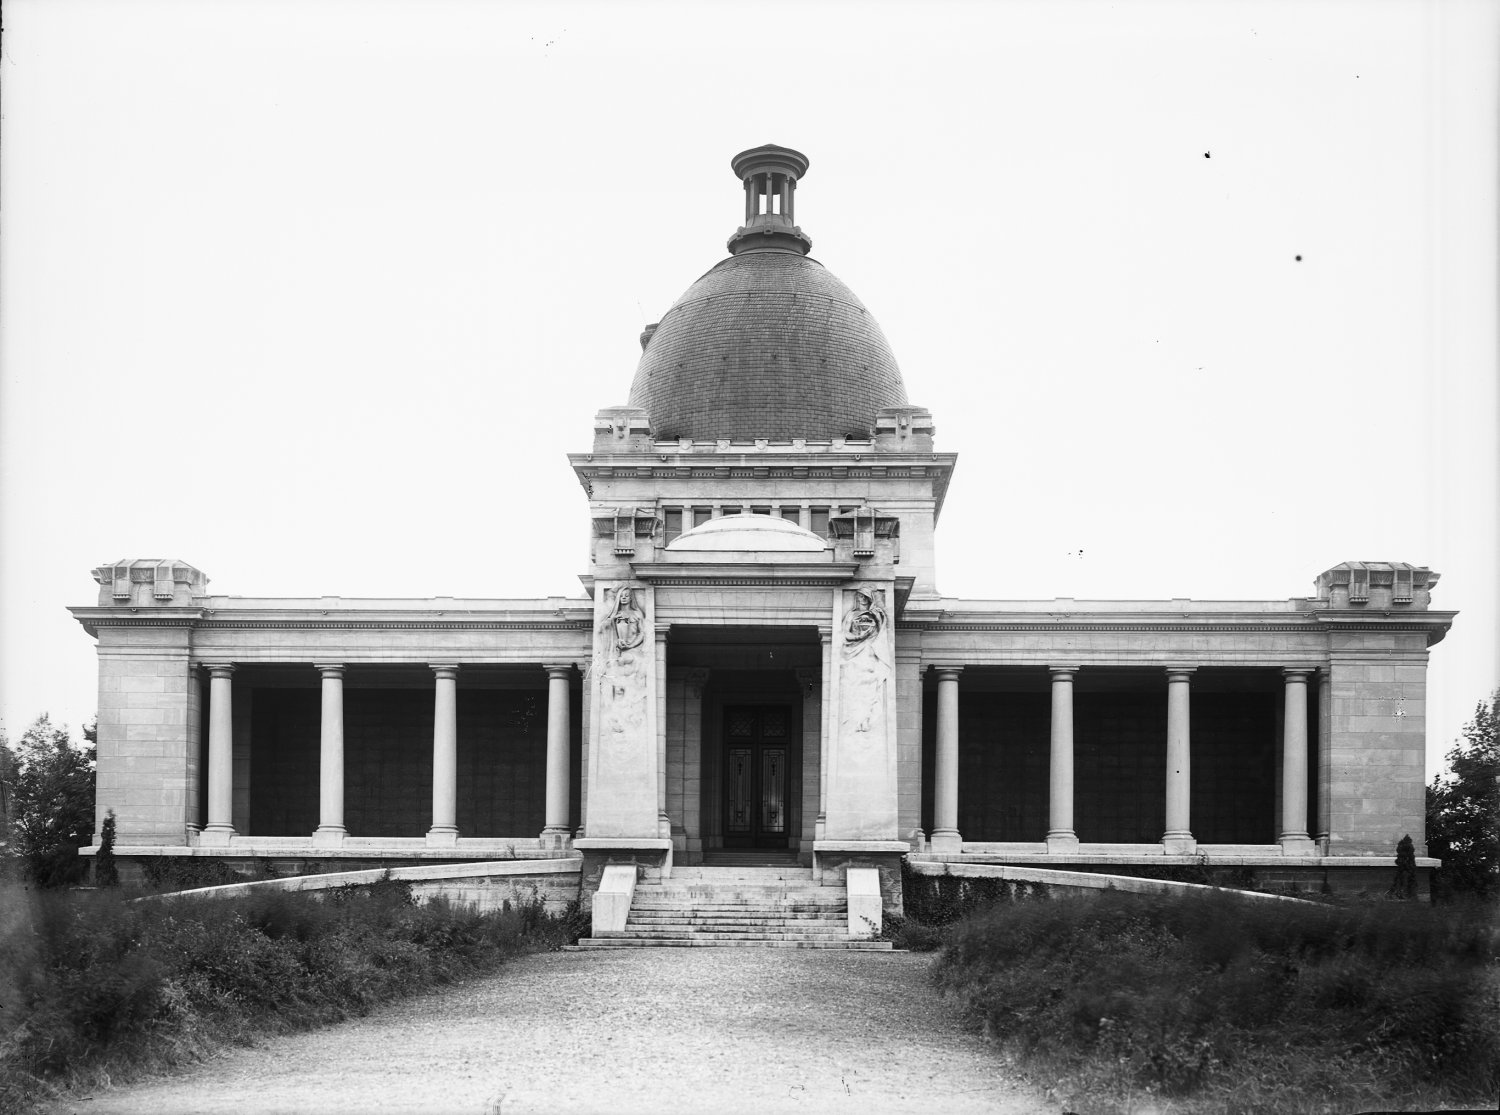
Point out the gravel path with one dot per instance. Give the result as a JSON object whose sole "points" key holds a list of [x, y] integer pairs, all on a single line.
{"points": [[652, 1030]]}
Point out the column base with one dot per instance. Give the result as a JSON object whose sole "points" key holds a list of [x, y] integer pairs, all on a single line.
{"points": [[329, 836], [945, 840], [1062, 840], [819, 826], [216, 836], [442, 836], [556, 840], [664, 826], [1179, 844], [1297, 844]]}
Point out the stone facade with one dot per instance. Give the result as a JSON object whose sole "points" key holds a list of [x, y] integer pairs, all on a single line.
{"points": [[763, 664]]}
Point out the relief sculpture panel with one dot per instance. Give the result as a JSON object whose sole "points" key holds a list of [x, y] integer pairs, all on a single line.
{"points": [[622, 783], [862, 763]]}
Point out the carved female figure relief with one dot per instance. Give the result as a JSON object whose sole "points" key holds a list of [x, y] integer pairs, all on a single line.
{"points": [[866, 666], [622, 677], [626, 619]]}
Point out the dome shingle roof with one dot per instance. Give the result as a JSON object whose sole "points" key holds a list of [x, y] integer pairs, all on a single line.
{"points": [[767, 344]]}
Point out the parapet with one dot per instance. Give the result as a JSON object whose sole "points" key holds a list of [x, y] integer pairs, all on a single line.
{"points": [[622, 429], [906, 429], [1378, 585], [149, 582]]}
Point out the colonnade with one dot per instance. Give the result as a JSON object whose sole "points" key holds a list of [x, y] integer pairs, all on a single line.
{"points": [[1178, 836], [331, 829]]}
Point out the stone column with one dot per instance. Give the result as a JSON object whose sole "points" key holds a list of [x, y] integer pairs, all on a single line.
{"points": [[663, 822], [331, 828], [1060, 834], [557, 834], [1294, 838], [1325, 754], [444, 828], [825, 638], [220, 828], [1178, 839], [945, 834]]}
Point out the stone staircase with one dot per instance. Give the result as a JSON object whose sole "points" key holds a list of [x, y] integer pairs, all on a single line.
{"points": [[737, 907]]}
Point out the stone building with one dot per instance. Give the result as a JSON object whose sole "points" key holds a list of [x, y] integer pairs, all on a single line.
{"points": [[763, 665]]}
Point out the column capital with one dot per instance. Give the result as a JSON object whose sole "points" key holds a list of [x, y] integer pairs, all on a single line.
{"points": [[329, 669], [219, 669], [825, 633], [444, 670], [558, 669], [1059, 672], [947, 671], [1298, 673], [1184, 672]]}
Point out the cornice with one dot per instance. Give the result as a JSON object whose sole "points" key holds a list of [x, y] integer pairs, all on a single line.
{"points": [[1432, 623], [823, 574]]}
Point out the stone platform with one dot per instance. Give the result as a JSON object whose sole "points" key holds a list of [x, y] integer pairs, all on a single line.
{"points": [[737, 907]]}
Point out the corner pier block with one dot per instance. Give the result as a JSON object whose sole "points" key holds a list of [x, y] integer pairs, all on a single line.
{"points": [[623, 825]]}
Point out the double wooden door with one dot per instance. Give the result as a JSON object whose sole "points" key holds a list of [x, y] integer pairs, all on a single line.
{"points": [[757, 741]]}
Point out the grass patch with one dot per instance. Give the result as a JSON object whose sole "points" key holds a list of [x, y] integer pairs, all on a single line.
{"points": [[94, 987], [1226, 1005]]}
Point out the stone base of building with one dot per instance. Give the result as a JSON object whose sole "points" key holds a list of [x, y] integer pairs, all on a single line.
{"points": [[1271, 871], [833, 858], [651, 856]]}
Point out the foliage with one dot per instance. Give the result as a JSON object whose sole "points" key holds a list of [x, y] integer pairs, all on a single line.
{"points": [[106, 874], [1220, 998], [1404, 886], [51, 800], [1463, 810], [104, 987]]}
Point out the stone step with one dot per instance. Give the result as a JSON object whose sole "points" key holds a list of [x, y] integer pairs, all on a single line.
{"points": [[647, 935], [777, 907], [657, 917], [742, 874], [592, 943], [648, 897]]}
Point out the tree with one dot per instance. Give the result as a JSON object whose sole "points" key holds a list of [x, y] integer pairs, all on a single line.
{"points": [[51, 800], [1463, 808]]}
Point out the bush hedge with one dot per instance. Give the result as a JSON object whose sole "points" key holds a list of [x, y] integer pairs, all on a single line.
{"points": [[1248, 1006], [99, 986]]}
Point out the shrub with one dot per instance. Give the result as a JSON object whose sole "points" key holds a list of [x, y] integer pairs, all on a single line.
{"points": [[1211, 993], [106, 874], [105, 986]]}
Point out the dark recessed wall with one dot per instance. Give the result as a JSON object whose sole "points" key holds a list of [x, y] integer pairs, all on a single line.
{"points": [[1120, 754], [502, 761]]}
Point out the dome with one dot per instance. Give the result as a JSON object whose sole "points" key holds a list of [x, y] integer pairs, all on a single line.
{"points": [[749, 532], [767, 344]]}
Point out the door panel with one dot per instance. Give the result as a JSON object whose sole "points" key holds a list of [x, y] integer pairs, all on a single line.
{"points": [[755, 775]]}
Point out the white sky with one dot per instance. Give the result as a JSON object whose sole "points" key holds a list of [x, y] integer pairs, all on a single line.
{"points": [[317, 295]]}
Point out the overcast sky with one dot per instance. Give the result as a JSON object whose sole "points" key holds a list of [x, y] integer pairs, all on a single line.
{"points": [[316, 296]]}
